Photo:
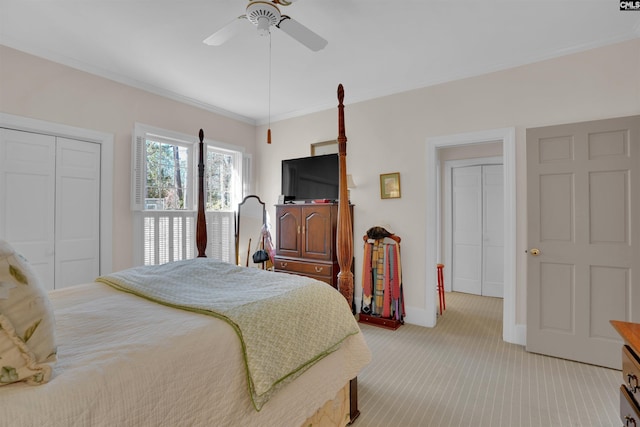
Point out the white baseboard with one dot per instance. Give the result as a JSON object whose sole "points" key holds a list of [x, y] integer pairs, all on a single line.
{"points": [[417, 316], [520, 334]]}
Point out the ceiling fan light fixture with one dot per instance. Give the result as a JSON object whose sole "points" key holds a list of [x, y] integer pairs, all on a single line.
{"points": [[263, 26]]}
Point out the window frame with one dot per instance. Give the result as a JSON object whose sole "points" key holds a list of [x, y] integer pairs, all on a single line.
{"points": [[140, 134]]}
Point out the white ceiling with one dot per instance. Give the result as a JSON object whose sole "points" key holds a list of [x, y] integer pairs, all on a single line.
{"points": [[375, 48]]}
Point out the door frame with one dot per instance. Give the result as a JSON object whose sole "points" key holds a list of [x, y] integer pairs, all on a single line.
{"points": [[449, 165], [105, 140], [510, 332]]}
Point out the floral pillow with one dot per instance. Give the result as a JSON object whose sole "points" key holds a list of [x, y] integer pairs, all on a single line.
{"points": [[27, 335]]}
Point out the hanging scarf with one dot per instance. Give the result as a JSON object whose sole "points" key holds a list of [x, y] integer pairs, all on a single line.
{"points": [[382, 280], [366, 275], [378, 276]]}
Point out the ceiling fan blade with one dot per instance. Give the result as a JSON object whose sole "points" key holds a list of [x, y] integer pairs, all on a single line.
{"points": [[301, 33], [226, 32]]}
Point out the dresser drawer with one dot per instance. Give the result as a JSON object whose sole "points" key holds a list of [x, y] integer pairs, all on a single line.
{"points": [[326, 279], [312, 269], [629, 411], [631, 372]]}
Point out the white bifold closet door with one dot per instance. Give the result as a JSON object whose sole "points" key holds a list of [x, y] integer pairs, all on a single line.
{"points": [[477, 230], [50, 204]]}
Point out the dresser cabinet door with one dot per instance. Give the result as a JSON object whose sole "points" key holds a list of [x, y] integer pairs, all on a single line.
{"points": [[317, 243], [289, 231]]}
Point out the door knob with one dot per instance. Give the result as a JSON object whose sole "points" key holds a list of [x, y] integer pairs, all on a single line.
{"points": [[534, 252]]}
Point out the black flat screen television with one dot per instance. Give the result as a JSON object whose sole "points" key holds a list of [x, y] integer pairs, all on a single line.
{"points": [[311, 178]]}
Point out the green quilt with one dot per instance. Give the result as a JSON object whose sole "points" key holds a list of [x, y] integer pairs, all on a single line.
{"points": [[285, 323]]}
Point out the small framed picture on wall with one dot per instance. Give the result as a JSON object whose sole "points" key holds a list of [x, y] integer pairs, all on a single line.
{"points": [[326, 147], [390, 185]]}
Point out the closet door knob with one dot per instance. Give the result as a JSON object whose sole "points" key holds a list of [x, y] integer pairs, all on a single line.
{"points": [[534, 252]]}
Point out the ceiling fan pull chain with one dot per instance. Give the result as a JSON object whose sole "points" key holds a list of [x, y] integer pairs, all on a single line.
{"points": [[269, 126]]}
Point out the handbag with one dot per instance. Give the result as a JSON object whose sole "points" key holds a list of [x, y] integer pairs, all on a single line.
{"points": [[260, 256]]}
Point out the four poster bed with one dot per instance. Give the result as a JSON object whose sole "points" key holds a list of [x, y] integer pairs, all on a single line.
{"points": [[127, 356]]}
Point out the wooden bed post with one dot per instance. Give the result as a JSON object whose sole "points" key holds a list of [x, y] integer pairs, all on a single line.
{"points": [[344, 238], [201, 225]]}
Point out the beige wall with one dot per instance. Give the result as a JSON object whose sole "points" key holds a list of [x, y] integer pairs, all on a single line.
{"points": [[389, 135], [39, 89], [384, 135]]}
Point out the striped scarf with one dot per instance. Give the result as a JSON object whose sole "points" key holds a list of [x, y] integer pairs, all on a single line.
{"points": [[382, 280]]}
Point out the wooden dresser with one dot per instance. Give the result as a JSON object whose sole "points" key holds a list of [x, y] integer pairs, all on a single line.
{"points": [[630, 389], [306, 240]]}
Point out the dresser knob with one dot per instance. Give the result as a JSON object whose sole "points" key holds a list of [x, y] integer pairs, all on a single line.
{"points": [[319, 269], [283, 264], [632, 378]]}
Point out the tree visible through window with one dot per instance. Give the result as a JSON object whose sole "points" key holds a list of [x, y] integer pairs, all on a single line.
{"points": [[167, 176], [168, 180], [219, 177]]}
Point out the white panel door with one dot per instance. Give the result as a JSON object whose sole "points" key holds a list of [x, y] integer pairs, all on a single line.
{"points": [[466, 200], [583, 189], [50, 204], [477, 224], [27, 198], [493, 226], [78, 212]]}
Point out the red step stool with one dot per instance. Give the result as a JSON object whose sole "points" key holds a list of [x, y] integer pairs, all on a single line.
{"points": [[443, 305]]}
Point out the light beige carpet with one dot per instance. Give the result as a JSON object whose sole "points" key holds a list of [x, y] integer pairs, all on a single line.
{"points": [[461, 373]]}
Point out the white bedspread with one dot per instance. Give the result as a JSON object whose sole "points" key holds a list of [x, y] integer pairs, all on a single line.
{"points": [[286, 323], [126, 361]]}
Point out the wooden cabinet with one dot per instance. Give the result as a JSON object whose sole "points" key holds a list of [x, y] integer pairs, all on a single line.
{"points": [[630, 389], [306, 240]]}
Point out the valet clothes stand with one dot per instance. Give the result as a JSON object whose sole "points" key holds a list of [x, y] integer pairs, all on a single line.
{"points": [[382, 296]]}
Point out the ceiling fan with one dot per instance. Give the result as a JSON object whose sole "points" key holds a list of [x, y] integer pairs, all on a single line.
{"points": [[265, 14]]}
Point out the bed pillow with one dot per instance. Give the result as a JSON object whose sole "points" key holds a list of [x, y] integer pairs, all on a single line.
{"points": [[27, 335]]}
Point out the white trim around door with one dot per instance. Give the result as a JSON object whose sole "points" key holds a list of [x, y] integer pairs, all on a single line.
{"points": [[105, 140], [511, 333]]}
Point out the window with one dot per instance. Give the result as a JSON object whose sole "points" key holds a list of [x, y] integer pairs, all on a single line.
{"points": [[167, 171], [220, 177], [164, 196]]}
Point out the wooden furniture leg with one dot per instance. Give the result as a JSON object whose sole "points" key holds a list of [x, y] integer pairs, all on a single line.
{"points": [[354, 412]]}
